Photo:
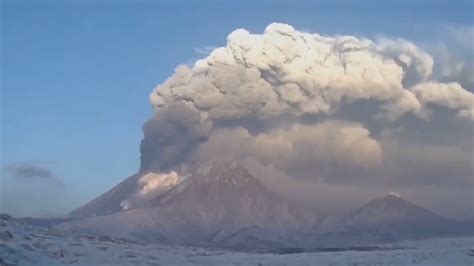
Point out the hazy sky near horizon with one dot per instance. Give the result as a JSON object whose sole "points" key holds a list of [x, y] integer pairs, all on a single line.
{"points": [[76, 79]]}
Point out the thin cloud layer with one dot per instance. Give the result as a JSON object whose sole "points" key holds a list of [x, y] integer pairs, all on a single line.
{"points": [[26, 170]]}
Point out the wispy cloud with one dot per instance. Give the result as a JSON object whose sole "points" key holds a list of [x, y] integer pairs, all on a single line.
{"points": [[29, 171], [463, 35], [204, 50], [32, 170]]}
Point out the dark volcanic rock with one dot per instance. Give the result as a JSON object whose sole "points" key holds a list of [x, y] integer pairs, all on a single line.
{"points": [[6, 236]]}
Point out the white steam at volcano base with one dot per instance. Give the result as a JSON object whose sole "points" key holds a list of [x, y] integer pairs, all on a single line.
{"points": [[150, 185]]}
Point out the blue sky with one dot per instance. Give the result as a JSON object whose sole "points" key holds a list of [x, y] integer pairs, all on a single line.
{"points": [[76, 76]]}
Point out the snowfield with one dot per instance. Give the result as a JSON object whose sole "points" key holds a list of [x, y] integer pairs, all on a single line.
{"points": [[26, 245]]}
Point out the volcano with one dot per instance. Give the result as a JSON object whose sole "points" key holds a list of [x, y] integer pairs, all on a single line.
{"points": [[222, 204]]}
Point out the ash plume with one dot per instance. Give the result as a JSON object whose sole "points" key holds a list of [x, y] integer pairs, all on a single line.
{"points": [[274, 98]]}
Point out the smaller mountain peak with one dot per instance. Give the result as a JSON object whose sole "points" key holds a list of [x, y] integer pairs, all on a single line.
{"points": [[391, 197], [219, 165], [223, 170]]}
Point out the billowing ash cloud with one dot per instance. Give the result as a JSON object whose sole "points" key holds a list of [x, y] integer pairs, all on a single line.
{"points": [[170, 134], [450, 95], [323, 150], [273, 98]]}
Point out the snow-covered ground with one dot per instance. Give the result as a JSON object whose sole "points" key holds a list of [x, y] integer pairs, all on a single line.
{"points": [[25, 245]]}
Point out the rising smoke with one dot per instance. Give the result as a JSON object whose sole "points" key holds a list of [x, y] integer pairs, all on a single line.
{"points": [[252, 98]]}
